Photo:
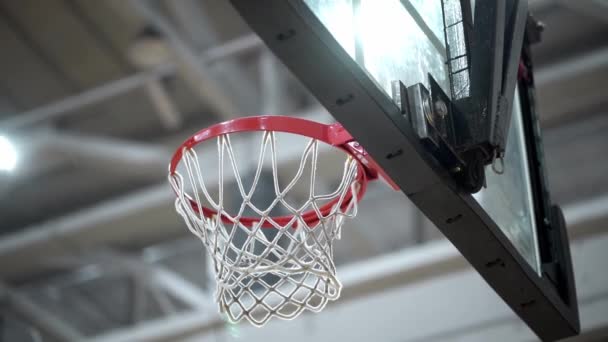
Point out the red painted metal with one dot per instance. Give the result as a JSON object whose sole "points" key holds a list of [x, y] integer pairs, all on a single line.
{"points": [[334, 135]]}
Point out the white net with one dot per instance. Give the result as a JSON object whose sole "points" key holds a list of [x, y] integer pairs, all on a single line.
{"points": [[267, 266]]}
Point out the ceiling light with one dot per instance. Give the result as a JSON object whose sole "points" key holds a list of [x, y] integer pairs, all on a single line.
{"points": [[8, 155]]}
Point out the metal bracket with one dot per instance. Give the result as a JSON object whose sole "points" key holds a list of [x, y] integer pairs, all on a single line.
{"points": [[467, 133], [436, 123]]}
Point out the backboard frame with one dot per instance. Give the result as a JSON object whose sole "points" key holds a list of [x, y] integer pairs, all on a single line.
{"points": [[296, 36]]}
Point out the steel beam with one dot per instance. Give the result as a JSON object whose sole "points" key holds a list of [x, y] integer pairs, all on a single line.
{"points": [[105, 223], [110, 222], [572, 67], [536, 6], [432, 282], [173, 328], [194, 18], [167, 111], [114, 88], [158, 280], [38, 317], [191, 68], [236, 46], [144, 160], [272, 91], [567, 89], [597, 9], [86, 98], [138, 299], [182, 289], [218, 54]]}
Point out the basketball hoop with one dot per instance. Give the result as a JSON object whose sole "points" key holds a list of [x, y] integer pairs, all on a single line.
{"points": [[261, 275]]}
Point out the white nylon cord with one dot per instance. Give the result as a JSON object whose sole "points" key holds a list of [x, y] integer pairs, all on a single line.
{"points": [[261, 277]]}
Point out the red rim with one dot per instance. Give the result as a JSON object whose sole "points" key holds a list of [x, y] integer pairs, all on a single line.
{"points": [[334, 135]]}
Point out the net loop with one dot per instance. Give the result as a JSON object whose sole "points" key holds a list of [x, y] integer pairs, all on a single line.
{"points": [[268, 266]]}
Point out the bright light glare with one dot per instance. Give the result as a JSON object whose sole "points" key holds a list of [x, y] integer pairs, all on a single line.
{"points": [[385, 40], [8, 155]]}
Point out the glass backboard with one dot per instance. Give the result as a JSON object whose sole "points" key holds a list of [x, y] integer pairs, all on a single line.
{"points": [[386, 40], [394, 40], [349, 53], [507, 198]]}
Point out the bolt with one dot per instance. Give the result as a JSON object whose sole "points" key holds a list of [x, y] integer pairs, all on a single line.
{"points": [[453, 219], [286, 35], [343, 100]]}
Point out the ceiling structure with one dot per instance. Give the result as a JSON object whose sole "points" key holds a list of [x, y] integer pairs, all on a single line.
{"points": [[97, 94]]}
